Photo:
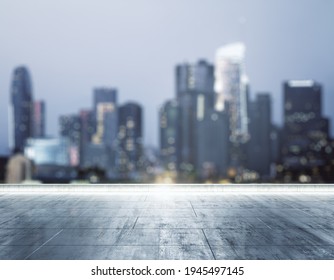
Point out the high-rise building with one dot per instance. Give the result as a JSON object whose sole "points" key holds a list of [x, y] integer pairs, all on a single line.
{"points": [[70, 128], [169, 129], [197, 77], [232, 90], [231, 85], [86, 134], [105, 111], [260, 129], [195, 95], [39, 119], [21, 108], [86, 125], [306, 131], [130, 139], [212, 152]]}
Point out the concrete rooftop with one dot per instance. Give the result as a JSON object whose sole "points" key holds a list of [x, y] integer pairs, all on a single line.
{"points": [[197, 223]]}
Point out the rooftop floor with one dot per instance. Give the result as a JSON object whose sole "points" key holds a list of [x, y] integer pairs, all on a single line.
{"points": [[166, 224]]}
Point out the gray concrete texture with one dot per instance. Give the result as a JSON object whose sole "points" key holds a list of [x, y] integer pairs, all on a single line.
{"points": [[166, 225]]}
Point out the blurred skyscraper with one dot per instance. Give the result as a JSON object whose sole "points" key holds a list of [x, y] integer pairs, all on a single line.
{"points": [[259, 154], [106, 116], [195, 95], [212, 152], [21, 108], [231, 87], [130, 139], [39, 119], [169, 134], [306, 131], [197, 77]]}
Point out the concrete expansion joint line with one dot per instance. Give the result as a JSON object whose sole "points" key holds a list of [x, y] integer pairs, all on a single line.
{"points": [[207, 241], [135, 223], [43, 244], [193, 208]]}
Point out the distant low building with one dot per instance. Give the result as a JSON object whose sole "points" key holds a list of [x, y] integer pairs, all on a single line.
{"points": [[51, 158]]}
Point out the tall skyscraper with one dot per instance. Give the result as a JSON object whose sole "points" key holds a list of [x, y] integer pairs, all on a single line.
{"points": [[169, 129], [260, 128], [21, 108], [212, 152], [231, 85], [39, 119], [195, 95], [306, 131], [130, 138], [197, 77], [106, 116]]}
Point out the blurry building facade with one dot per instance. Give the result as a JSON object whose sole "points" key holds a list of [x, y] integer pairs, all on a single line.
{"points": [[106, 116], [306, 144], [259, 156], [21, 108], [213, 153], [130, 139], [70, 128], [195, 95], [51, 159], [169, 135], [86, 134], [39, 115], [231, 87]]}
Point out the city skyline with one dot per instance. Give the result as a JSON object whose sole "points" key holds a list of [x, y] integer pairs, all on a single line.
{"points": [[302, 46]]}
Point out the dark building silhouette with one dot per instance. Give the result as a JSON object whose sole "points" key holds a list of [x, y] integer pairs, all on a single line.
{"points": [[260, 129], [169, 129], [197, 77], [39, 119], [276, 147], [21, 123], [213, 145], [130, 139], [195, 95], [306, 132]]}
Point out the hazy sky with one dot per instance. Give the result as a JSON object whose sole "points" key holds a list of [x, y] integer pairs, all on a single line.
{"points": [[72, 46]]}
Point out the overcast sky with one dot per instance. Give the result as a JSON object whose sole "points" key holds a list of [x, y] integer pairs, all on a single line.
{"points": [[72, 46]]}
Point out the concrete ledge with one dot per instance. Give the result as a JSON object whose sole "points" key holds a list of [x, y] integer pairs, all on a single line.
{"points": [[151, 188]]}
